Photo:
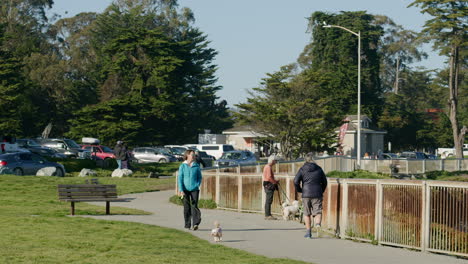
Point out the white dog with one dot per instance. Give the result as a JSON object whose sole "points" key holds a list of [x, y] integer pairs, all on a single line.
{"points": [[290, 210], [217, 232]]}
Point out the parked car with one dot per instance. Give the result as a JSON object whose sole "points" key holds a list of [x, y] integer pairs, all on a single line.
{"points": [[178, 150], [207, 159], [236, 157], [215, 150], [148, 154], [8, 144], [450, 152], [66, 146], [22, 163], [99, 151], [389, 156], [34, 147], [413, 155]]}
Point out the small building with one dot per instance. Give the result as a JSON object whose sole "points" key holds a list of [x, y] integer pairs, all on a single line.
{"points": [[245, 138], [372, 138]]}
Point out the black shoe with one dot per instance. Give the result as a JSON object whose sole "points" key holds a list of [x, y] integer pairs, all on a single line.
{"points": [[308, 234], [195, 227]]}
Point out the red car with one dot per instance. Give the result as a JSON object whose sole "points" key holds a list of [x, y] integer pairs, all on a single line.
{"points": [[100, 151]]}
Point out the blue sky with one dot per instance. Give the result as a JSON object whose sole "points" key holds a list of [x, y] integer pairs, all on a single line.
{"points": [[255, 37]]}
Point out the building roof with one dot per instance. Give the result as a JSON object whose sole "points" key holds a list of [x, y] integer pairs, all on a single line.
{"points": [[245, 131]]}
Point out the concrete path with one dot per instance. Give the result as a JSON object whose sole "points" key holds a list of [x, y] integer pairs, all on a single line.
{"points": [[275, 239]]}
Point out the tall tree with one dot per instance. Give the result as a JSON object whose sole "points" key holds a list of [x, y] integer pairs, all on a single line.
{"points": [[333, 52], [148, 50], [399, 47], [287, 109], [11, 85], [448, 31]]}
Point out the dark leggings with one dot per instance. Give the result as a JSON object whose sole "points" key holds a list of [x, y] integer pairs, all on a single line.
{"points": [[192, 214], [268, 201]]}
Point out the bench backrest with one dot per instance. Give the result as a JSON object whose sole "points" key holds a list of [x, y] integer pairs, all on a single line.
{"points": [[86, 191]]}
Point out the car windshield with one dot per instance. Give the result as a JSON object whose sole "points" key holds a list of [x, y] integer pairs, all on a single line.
{"points": [[163, 151], [71, 143], [231, 155], [178, 150], [203, 154], [33, 143], [106, 149]]}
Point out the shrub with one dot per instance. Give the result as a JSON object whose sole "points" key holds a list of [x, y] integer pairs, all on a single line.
{"points": [[208, 204], [357, 174], [75, 165]]}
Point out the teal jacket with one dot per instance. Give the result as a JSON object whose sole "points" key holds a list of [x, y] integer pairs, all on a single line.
{"points": [[189, 178]]}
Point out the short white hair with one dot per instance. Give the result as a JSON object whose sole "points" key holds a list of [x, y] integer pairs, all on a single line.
{"points": [[272, 158], [309, 157]]}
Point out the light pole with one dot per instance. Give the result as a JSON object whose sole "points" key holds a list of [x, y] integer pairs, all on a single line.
{"points": [[359, 90]]}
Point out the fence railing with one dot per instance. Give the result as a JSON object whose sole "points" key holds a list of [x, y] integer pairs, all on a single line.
{"points": [[423, 215], [341, 163]]}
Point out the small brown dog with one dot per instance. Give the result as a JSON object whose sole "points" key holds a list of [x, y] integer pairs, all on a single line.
{"points": [[217, 232]]}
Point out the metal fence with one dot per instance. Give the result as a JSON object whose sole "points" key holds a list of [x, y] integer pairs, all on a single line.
{"points": [[423, 215]]}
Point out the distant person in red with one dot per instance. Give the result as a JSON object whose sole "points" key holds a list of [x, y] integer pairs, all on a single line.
{"points": [[3, 146], [270, 185]]}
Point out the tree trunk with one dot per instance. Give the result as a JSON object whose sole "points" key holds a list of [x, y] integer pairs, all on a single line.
{"points": [[397, 76], [458, 135]]}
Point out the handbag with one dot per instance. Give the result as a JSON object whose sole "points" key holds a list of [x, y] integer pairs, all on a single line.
{"points": [[270, 186]]}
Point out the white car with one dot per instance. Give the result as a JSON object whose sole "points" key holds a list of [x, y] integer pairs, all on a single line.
{"points": [[449, 152]]}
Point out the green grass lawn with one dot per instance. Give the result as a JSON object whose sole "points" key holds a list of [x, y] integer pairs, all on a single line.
{"points": [[35, 228]]}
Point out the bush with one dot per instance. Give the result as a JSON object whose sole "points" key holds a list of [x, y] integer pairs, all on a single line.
{"points": [[75, 165], [208, 204], [447, 175], [357, 174]]}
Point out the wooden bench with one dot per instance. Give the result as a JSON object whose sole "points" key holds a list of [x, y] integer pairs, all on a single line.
{"points": [[88, 193]]}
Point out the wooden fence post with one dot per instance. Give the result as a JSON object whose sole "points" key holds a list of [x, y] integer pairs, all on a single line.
{"points": [[425, 216], [344, 210], [239, 191], [378, 210], [217, 192]]}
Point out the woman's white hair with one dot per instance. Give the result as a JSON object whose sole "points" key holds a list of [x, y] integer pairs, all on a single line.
{"points": [[272, 158], [309, 157]]}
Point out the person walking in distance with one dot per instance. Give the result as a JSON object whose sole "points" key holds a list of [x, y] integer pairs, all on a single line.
{"points": [[270, 184], [120, 152], [311, 181], [189, 181]]}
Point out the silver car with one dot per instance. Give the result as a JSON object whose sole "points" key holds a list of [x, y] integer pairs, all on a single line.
{"points": [[236, 157], [146, 155], [23, 163]]}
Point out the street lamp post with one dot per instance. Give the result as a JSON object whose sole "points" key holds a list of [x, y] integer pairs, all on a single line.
{"points": [[359, 90]]}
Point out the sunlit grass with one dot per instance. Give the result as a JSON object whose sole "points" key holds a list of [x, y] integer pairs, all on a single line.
{"points": [[35, 228]]}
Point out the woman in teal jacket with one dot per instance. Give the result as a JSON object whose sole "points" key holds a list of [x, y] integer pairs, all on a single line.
{"points": [[189, 180]]}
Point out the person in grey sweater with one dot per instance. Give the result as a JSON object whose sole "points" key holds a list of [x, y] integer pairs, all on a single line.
{"points": [[311, 181]]}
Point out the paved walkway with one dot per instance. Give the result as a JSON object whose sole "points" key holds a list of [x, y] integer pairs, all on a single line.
{"points": [[275, 239]]}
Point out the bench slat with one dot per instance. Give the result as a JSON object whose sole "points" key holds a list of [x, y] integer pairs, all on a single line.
{"points": [[88, 193], [97, 200], [85, 185], [86, 197]]}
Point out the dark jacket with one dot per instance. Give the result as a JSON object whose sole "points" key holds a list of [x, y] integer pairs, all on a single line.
{"points": [[120, 152], [310, 181], [199, 160]]}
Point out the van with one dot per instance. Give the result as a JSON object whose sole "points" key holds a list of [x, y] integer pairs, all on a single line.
{"points": [[215, 150]]}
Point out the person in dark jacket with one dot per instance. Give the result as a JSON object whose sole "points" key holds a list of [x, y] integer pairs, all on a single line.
{"points": [[199, 159], [120, 152], [311, 181]]}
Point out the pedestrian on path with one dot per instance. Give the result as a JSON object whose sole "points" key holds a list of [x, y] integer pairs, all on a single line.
{"points": [[189, 181], [310, 180], [270, 184], [121, 154]]}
